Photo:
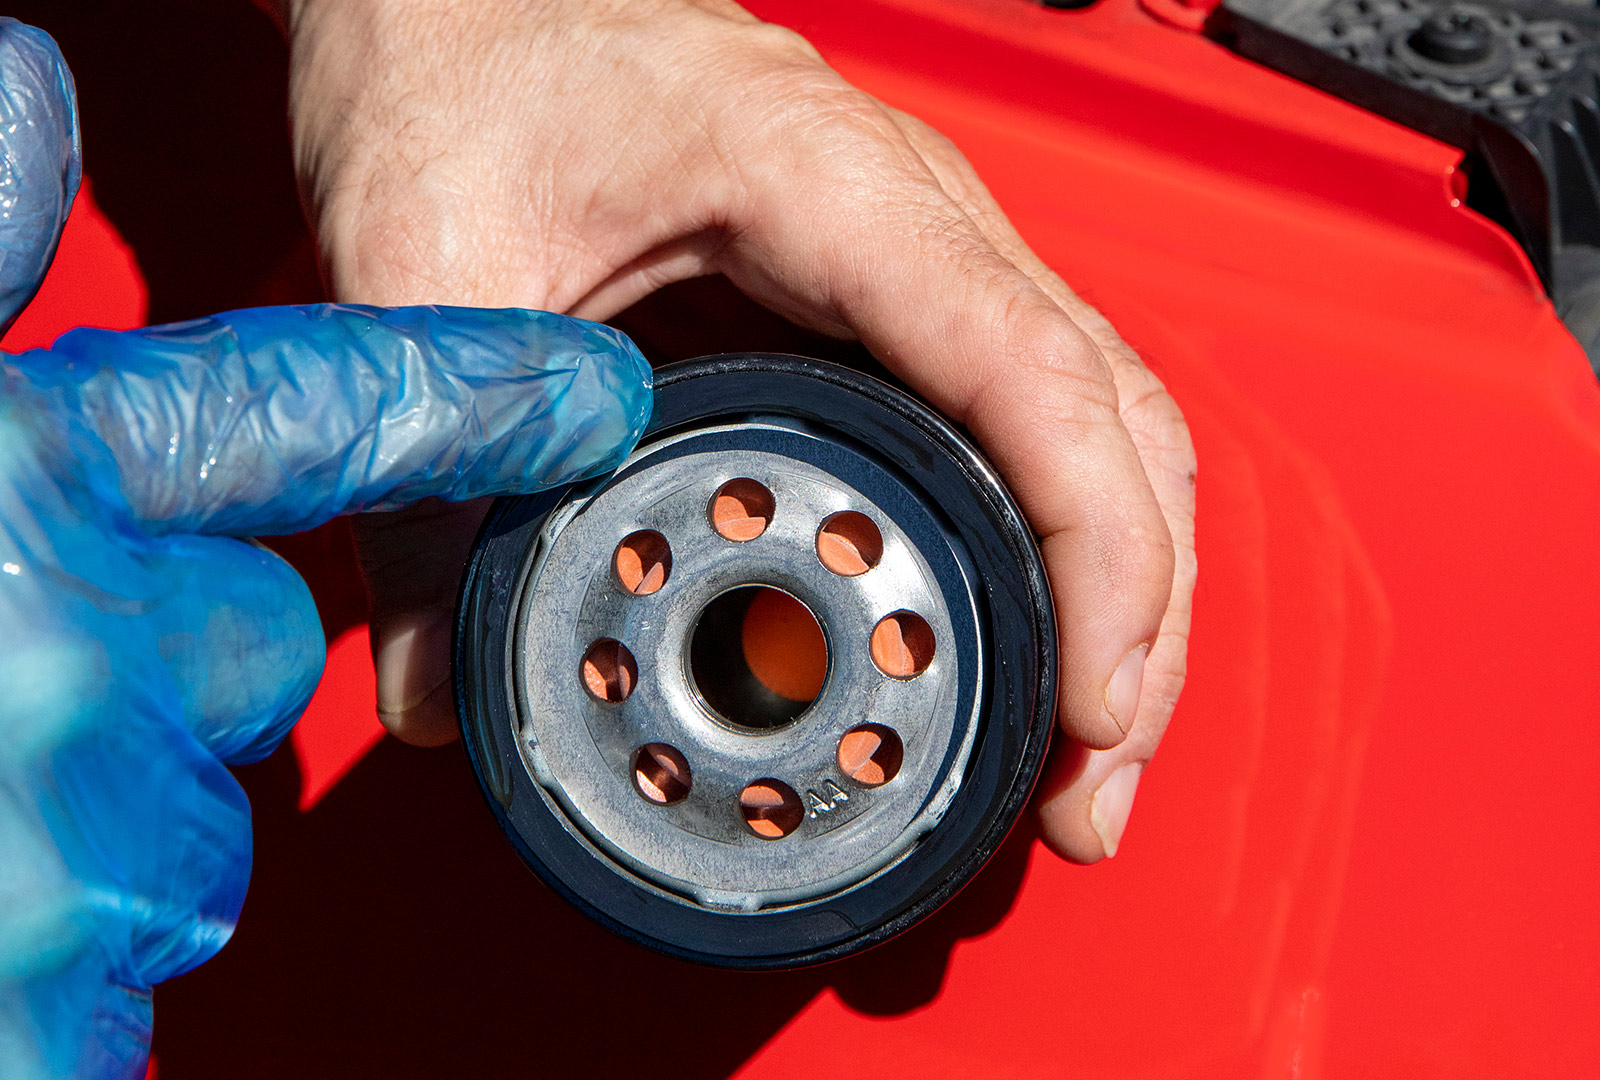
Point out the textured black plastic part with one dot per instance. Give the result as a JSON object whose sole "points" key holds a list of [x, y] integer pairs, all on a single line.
{"points": [[1014, 609], [1516, 85]]}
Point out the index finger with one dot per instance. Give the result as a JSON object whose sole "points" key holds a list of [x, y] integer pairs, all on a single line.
{"points": [[274, 420]]}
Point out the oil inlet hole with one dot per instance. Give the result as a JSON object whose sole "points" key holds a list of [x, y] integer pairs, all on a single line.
{"points": [[871, 754], [758, 657], [849, 543], [902, 645], [661, 774], [771, 808], [643, 561], [609, 672], [742, 509]]}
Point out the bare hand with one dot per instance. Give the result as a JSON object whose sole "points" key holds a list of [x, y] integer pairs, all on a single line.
{"points": [[576, 155]]}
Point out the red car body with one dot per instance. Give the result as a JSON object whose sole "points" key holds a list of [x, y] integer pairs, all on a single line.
{"points": [[1368, 847]]}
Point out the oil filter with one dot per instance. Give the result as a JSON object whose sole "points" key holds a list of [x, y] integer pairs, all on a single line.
{"points": [[774, 689]]}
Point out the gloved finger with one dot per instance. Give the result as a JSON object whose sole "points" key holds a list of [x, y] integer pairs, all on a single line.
{"points": [[930, 296], [241, 638], [38, 160], [227, 629], [274, 420], [162, 849]]}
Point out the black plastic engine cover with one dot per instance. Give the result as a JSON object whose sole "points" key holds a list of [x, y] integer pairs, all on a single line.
{"points": [[1515, 85]]}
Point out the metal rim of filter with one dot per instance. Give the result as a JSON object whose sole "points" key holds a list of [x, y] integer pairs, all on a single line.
{"points": [[595, 701]]}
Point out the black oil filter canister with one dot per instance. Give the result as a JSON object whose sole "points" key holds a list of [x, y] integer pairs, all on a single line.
{"points": [[777, 687]]}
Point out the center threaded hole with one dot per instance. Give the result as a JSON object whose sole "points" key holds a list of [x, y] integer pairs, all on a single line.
{"points": [[758, 657]]}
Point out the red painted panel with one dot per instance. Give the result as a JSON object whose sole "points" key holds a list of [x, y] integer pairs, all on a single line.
{"points": [[1367, 848]]}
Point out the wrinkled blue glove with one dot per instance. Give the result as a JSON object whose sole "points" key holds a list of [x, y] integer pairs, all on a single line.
{"points": [[141, 648]]}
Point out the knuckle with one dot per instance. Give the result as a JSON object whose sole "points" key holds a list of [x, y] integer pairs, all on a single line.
{"points": [[1045, 384], [1060, 366], [1155, 420], [1141, 547], [933, 141], [842, 118], [1163, 686], [785, 44], [1155, 414], [954, 172], [800, 103]]}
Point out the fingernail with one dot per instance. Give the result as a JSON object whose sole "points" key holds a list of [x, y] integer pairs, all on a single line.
{"points": [[1122, 692], [1109, 810], [412, 659]]}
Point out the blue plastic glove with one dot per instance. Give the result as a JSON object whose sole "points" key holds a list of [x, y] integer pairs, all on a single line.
{"points": [[142, 649]]}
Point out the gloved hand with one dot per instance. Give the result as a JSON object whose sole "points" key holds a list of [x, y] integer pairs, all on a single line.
{"points": [[142, 648]]}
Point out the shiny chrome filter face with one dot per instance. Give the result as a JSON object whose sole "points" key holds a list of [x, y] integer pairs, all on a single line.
{"points": [[589, 753], [729, 698]]}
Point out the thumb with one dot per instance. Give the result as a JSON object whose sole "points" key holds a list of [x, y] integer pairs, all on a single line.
{"points": [[274, 420], [38, 160]]}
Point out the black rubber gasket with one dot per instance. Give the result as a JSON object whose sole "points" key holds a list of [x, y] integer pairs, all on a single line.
{"points": [[1016, 628]]}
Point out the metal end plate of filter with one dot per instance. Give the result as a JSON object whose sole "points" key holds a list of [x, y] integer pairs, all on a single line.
{"points": [[774, 689]]}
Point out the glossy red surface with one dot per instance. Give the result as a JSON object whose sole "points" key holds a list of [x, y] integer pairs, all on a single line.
{"points": [[1367, 848]]}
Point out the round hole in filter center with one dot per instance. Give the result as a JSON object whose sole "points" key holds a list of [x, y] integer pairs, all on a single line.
{"points": [[758, 657]]}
